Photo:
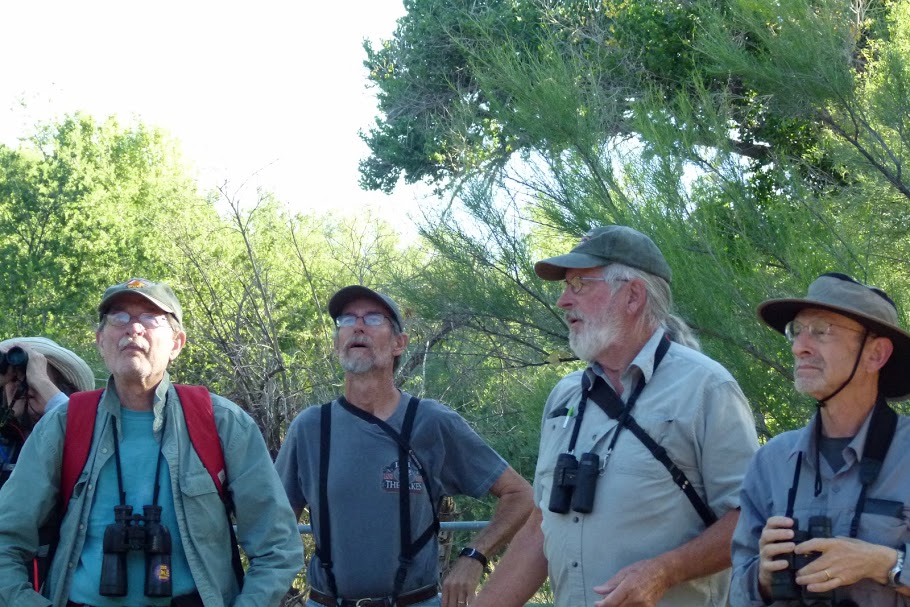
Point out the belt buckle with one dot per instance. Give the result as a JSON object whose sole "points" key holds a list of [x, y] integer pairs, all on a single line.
{"points": [[363, 602]]}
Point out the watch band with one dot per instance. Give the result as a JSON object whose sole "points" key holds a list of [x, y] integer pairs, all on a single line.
{"points": [[473, 553], [894, 576]]}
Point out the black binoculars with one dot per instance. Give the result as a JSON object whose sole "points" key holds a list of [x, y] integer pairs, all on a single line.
{"points": [[15, 357], [574, 483], [136, 532], [783, 583]]}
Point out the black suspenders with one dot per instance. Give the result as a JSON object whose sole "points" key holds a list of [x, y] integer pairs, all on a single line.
{"points": [[406, 456]]}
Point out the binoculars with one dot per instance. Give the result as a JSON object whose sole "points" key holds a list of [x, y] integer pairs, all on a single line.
{"points": [[574, 483], [15, 357], [783, 583], [136, 532]]}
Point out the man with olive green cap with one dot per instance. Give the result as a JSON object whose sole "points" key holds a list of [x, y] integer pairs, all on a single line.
{"points": [[142, 510], [824, 508], [641, 454]]}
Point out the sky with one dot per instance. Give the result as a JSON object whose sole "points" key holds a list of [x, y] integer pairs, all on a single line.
{"points": [[271, 93]]}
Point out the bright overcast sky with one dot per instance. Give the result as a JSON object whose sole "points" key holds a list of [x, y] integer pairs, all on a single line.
{"points": [[269, 86]]}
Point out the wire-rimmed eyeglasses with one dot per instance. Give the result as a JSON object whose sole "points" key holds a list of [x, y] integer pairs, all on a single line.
{"points": [[373, 319], [818, 329], [577, 283], [149, 320]]}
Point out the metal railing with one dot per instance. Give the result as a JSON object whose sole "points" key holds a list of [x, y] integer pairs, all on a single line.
{"points": [[444, 526]]}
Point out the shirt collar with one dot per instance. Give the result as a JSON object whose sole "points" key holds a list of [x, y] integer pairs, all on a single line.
{"points": [[111, 400], [807, 443], [643, 362]]}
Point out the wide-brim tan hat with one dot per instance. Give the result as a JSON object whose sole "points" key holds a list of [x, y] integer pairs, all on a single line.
{"points": [[869, 306], [68, 363]]}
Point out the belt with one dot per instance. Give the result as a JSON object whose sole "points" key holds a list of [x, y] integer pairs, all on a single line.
{"points": [[408, 598], [184, 600]]}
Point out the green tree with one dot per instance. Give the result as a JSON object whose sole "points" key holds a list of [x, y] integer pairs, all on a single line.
{"points": [[79, 203], [759, 144]]}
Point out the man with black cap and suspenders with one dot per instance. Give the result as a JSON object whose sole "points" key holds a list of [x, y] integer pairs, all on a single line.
{"points": [[824, 508], [372, 466]]}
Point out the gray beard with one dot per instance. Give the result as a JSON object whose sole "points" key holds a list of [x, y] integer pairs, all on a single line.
{"points": [[356, 365]]}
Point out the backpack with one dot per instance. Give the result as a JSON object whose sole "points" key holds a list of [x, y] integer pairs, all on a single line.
{"points": [[200, 423]]}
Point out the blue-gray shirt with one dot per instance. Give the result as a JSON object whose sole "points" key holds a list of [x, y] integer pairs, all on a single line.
{"points": [[884, 520]]}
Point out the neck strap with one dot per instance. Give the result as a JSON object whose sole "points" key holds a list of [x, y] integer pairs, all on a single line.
{"points": [[621, 410], [120, 490], [878, 440]]}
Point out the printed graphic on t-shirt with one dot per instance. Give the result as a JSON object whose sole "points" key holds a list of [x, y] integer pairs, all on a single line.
{"points": [[390, 479]]}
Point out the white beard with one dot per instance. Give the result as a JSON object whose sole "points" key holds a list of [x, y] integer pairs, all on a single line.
{"points": [[354, 362], [593, 339]]}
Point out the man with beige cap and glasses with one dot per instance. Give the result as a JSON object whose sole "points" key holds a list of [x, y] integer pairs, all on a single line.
{"points": [[824, 508]]}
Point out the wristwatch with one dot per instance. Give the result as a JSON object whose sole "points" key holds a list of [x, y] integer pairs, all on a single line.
{"points": [[477, 555], [894, 576]]}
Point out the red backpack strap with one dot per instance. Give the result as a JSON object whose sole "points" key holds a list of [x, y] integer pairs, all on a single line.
{"points": [[200, 423], [80, 425]]}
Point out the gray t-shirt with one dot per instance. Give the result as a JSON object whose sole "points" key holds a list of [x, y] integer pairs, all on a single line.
{"points": [[363, 489]]}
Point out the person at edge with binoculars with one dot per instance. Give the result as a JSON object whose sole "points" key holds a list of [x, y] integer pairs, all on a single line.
{"points": [[642, 454], [144, 522], [824, 508], [36, 375]]}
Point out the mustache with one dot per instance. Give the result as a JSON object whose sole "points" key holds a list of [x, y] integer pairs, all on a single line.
{"points": [[573, 315], [357, 340], [139, 342], [810, 362]]}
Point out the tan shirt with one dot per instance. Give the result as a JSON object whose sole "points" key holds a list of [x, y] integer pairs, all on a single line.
{"points": [[691, 406]]}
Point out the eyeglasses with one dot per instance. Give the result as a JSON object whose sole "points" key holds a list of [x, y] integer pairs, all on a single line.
{"points": [[373, 319], [577, 283], [819, 330], [149, 320]]}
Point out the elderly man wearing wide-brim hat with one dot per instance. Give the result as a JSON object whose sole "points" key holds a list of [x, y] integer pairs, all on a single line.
{"points": [[824, 507]]}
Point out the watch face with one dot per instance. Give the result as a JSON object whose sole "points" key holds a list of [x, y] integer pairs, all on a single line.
{"points": [[894, 576]]}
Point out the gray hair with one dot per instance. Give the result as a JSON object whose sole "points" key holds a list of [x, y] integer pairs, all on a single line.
{"points": [[659, 303]]}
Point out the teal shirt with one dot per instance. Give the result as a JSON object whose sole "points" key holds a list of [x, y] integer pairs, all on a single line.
{"points": [[139, 464], [266, 526]]}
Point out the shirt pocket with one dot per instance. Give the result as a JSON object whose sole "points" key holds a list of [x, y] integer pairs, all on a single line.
{"points": [[205, 513], [884, 522], [631, 456]]}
